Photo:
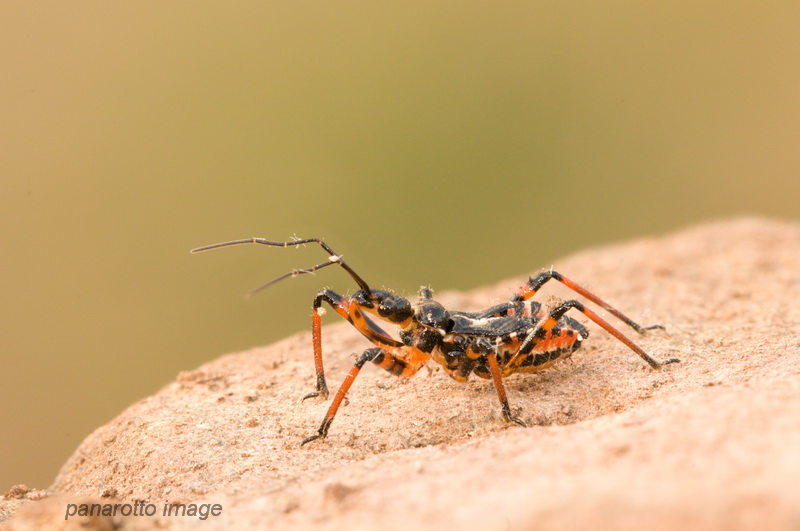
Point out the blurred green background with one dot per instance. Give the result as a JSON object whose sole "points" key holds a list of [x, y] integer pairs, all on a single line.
{"points": [[445, 143]]}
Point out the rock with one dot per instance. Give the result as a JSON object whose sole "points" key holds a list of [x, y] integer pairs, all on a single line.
{"points": [[710, 442]]}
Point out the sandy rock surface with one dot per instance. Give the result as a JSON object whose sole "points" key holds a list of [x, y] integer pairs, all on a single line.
{"points": [[710, 443]]}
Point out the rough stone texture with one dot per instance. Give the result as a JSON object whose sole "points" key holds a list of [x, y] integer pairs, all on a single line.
{"points": [[712, 442]]}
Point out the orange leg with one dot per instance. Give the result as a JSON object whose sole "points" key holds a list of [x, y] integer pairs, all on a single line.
{"points": [[535, 283], [400, 361], [501, 391], [552, 319], [348, 309]]}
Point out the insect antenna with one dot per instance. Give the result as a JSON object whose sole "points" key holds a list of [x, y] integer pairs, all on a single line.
{"points": [[292, 273], [333, 258]]}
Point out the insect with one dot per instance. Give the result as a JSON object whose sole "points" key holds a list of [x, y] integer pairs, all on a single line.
{"points": [[520, 335]]}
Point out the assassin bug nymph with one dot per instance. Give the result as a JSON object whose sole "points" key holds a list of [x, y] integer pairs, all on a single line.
{"points": [[520, 335]]}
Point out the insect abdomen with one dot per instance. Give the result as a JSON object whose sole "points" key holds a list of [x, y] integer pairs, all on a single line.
{"points": [[559, 343]]}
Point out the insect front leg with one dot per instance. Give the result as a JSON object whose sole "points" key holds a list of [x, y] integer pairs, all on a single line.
{"points": [[401, 361], [339, 304], [350, 309]]}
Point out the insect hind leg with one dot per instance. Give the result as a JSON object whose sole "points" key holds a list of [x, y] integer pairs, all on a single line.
{"points": [[558, 312], [535, 283]]}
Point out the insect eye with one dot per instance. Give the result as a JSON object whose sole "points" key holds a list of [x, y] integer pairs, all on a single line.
{"points": [[395, 309]]}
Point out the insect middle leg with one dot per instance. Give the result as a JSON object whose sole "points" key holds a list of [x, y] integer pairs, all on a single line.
{"points": [[401, 361], [497, 378], [478, 351]]}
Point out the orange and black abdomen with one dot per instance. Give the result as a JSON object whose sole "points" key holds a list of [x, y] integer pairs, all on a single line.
{"points": [[556, 344], [461, 355]]}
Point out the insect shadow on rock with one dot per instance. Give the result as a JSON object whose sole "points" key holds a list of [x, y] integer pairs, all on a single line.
{"points": [[520, 335]]}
